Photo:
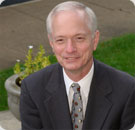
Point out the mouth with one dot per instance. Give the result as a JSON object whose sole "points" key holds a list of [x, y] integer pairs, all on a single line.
{"points": [[71, 58]]}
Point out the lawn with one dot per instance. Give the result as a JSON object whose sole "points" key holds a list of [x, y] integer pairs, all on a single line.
{"points": [[118, 52], [4, 74]]}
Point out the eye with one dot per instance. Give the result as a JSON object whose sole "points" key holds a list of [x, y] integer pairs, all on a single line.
{"points": [[59, 41], [80, 39]]}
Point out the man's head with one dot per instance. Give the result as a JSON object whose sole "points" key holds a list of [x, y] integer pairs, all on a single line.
{"points": [[73, 36], [73, 6]]}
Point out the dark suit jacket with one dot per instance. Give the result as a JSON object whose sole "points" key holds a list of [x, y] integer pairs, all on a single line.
{"points": [[44, 103]]}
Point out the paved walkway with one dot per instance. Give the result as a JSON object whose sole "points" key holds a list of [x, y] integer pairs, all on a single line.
{"points": [[24, 25], [8, 121]]}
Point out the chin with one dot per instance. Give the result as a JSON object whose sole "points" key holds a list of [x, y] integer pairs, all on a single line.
{"points": [[71, 68]]}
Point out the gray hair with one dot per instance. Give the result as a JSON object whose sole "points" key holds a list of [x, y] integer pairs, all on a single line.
{"points": [[73, 5]]}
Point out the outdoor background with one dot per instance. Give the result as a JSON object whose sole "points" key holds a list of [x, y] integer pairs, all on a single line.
{"points": [[23, 25]]}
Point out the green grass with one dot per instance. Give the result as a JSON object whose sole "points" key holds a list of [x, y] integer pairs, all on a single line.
{"points": [[3, 94], [118, 52]]}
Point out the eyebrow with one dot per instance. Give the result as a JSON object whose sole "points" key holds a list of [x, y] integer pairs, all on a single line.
{"points": [[80, 34], [73, 36]]}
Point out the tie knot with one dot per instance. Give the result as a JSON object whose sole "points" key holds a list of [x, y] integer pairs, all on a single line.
{"points": [[76, 87]]}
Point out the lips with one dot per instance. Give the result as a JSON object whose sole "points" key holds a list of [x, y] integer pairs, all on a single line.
{"points": [[71, 58]]}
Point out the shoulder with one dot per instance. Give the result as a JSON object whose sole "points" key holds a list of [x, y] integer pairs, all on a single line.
{"points": [[120, 84], [117, 78], [47, 71], [42, 77]]}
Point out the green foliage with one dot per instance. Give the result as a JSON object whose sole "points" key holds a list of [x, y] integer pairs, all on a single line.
{"points": [[118, 52], [17, 68], [52, 59], [29, 67], [32, 64], [4, 74], [40, 60]]}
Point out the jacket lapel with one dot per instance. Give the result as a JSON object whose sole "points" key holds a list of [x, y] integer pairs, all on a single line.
{"points": [[56, 102], [98, 105]]}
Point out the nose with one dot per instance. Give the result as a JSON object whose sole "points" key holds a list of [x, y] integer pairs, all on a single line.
{"points": [[70, 46]]}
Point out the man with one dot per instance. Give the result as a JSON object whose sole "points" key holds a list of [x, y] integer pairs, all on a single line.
{"points": [[105, 96]]}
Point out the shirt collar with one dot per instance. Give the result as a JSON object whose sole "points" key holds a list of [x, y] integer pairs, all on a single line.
{"points": [[68, 81], [84, 83]]}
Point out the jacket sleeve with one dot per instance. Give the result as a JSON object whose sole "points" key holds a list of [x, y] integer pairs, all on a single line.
{"points": [[128, 116], [29, 114]]}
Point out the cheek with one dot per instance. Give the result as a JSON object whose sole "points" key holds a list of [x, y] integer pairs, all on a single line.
{"points": [[85, 49], [57, 50], [86, 52]]}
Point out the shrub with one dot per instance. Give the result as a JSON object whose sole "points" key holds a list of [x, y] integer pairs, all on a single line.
{"points": [[32, 64]]}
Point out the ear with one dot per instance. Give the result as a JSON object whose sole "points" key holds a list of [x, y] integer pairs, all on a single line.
{"points": [[96, 39], [50, 40]]}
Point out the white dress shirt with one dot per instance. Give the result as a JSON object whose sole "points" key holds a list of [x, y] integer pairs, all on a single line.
{"points": [[84, 83]]}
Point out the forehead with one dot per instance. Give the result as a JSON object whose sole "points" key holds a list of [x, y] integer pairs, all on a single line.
{"points": [[68, 13], [69, 21]]}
